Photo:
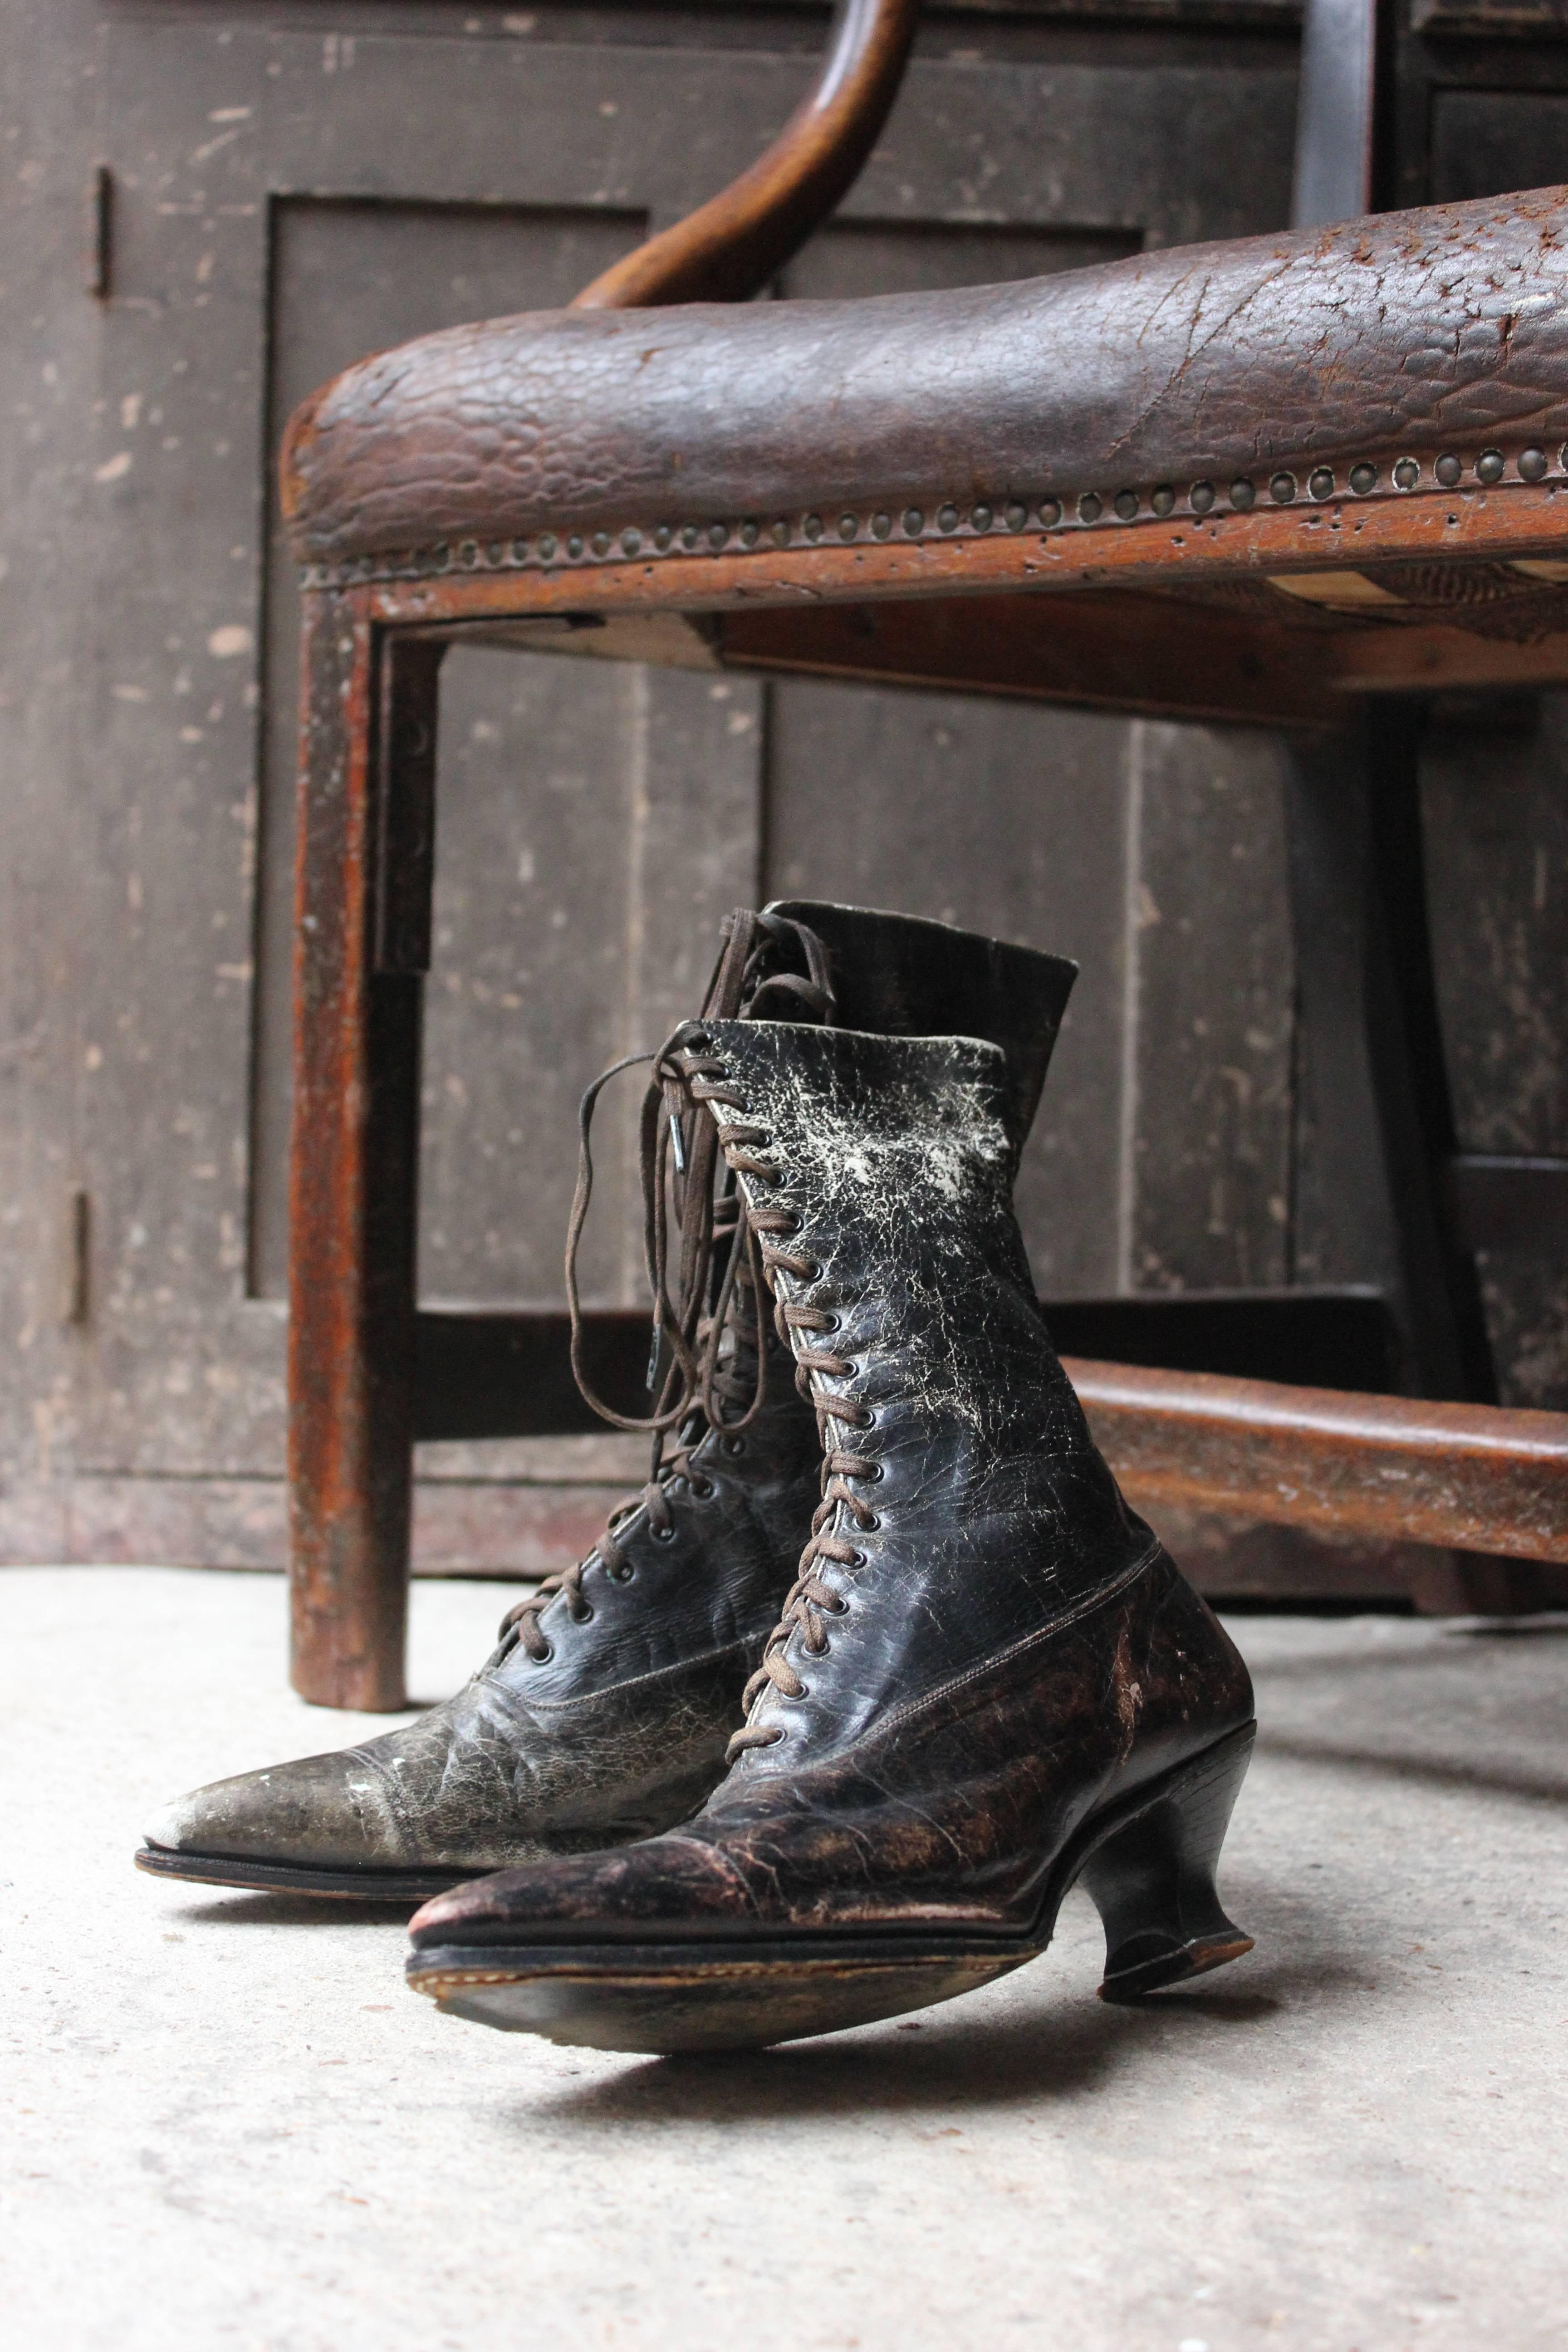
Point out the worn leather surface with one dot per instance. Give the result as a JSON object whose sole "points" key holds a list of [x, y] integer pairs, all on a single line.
{"points": [[622, 1730], [618, 1733], [1439, 329], [948, 1815], [1013, 1645], [905, 977]]}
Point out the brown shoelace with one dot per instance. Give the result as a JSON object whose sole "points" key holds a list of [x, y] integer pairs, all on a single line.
{"points": [[703, 1338], [733, 1383], [690, 1209], [810, 1600]]}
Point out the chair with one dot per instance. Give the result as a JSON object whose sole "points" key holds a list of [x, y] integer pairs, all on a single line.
{"points": [[1268, 482]]}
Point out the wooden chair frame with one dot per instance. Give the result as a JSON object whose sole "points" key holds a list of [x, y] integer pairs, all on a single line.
{"points": [[1077, 609]]}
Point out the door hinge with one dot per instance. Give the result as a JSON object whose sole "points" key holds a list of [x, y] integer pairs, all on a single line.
{"points": [[78, 1300], [100, 231]]}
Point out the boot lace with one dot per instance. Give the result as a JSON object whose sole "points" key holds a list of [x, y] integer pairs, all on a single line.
{"points": [[811, 1600], [708, 1368], [731, 1385]]}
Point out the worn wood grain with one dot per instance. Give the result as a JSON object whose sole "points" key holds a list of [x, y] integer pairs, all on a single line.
{"points": [[730, 247], [1473, 1476], [1497, 829], [353, 1178]]}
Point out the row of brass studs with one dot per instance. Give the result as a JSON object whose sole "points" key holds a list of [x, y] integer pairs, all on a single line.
{"points": [[1050, 514]]}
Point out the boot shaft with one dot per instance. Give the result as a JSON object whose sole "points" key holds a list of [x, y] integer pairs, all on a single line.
{"points": [[809, 960], [984, 1510], [902, 976]]}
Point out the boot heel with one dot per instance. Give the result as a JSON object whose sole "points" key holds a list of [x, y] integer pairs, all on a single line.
{"points": [[1153, 1880]]}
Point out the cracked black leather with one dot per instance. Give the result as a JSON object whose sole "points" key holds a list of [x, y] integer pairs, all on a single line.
{"points": [[1442, 329], [1013, 1650], [617, 1734], [904, 977], [622, 1730]]}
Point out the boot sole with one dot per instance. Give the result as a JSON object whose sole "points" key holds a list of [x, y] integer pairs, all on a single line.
{"points": [[1147, 1861], [411, 1887]]}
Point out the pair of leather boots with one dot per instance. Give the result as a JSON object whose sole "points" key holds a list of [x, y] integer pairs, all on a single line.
{"points": [[986, 1681]]}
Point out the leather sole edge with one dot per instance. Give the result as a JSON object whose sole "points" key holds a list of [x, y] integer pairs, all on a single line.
{"points": [[411, 1887]]}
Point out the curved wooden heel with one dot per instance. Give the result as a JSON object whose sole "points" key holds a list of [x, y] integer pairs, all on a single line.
{"points": [[1153, 1880]]}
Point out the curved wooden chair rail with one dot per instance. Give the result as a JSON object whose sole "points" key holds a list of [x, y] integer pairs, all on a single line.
{"points": [[1468, 1477], [728, 249]]}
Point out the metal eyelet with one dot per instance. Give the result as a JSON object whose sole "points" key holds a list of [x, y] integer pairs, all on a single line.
{"points": [[733, 1445], [704, 1489], [665, 1535], [542, 1657], [870, 1527], [873, 1474], [622, 1575]]}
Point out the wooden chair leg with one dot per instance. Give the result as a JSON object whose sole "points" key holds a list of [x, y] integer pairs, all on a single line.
{"points": [[362, 930], [1374, 1134]]}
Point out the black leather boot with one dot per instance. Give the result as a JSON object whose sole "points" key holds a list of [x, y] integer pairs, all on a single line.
{"points": [[603, 1712], [989, 1679]]}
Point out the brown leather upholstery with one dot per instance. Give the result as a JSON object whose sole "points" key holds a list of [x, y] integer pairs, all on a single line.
{"points": [[1440, 334]]}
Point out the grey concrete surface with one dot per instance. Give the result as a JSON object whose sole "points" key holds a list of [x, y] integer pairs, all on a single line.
{"points": [[228, 2123]]}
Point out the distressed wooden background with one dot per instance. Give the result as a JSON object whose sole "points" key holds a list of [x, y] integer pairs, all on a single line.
{"points": [[207, 209]]}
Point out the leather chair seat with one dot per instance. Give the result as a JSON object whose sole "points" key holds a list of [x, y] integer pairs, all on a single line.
{"points": [[1218, 374]]}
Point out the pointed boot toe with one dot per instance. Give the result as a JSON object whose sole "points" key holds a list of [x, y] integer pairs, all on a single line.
{"points": [[324, 1826], [662, 1948]]}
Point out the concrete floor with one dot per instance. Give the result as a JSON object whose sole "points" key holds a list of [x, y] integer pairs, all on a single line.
{"points": [[228, 2123]]}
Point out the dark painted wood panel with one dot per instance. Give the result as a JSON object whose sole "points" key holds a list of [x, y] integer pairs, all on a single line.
{"points": [[290, 187], [1486, 141], [1175, 154], [1499, 907], [565, 811], [1212, 1009], [1496, 806], [596, 821], [51, 886], [347, 278]]}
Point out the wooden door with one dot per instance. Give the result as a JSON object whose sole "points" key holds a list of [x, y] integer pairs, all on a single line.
{"points": [[284, 191]]}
